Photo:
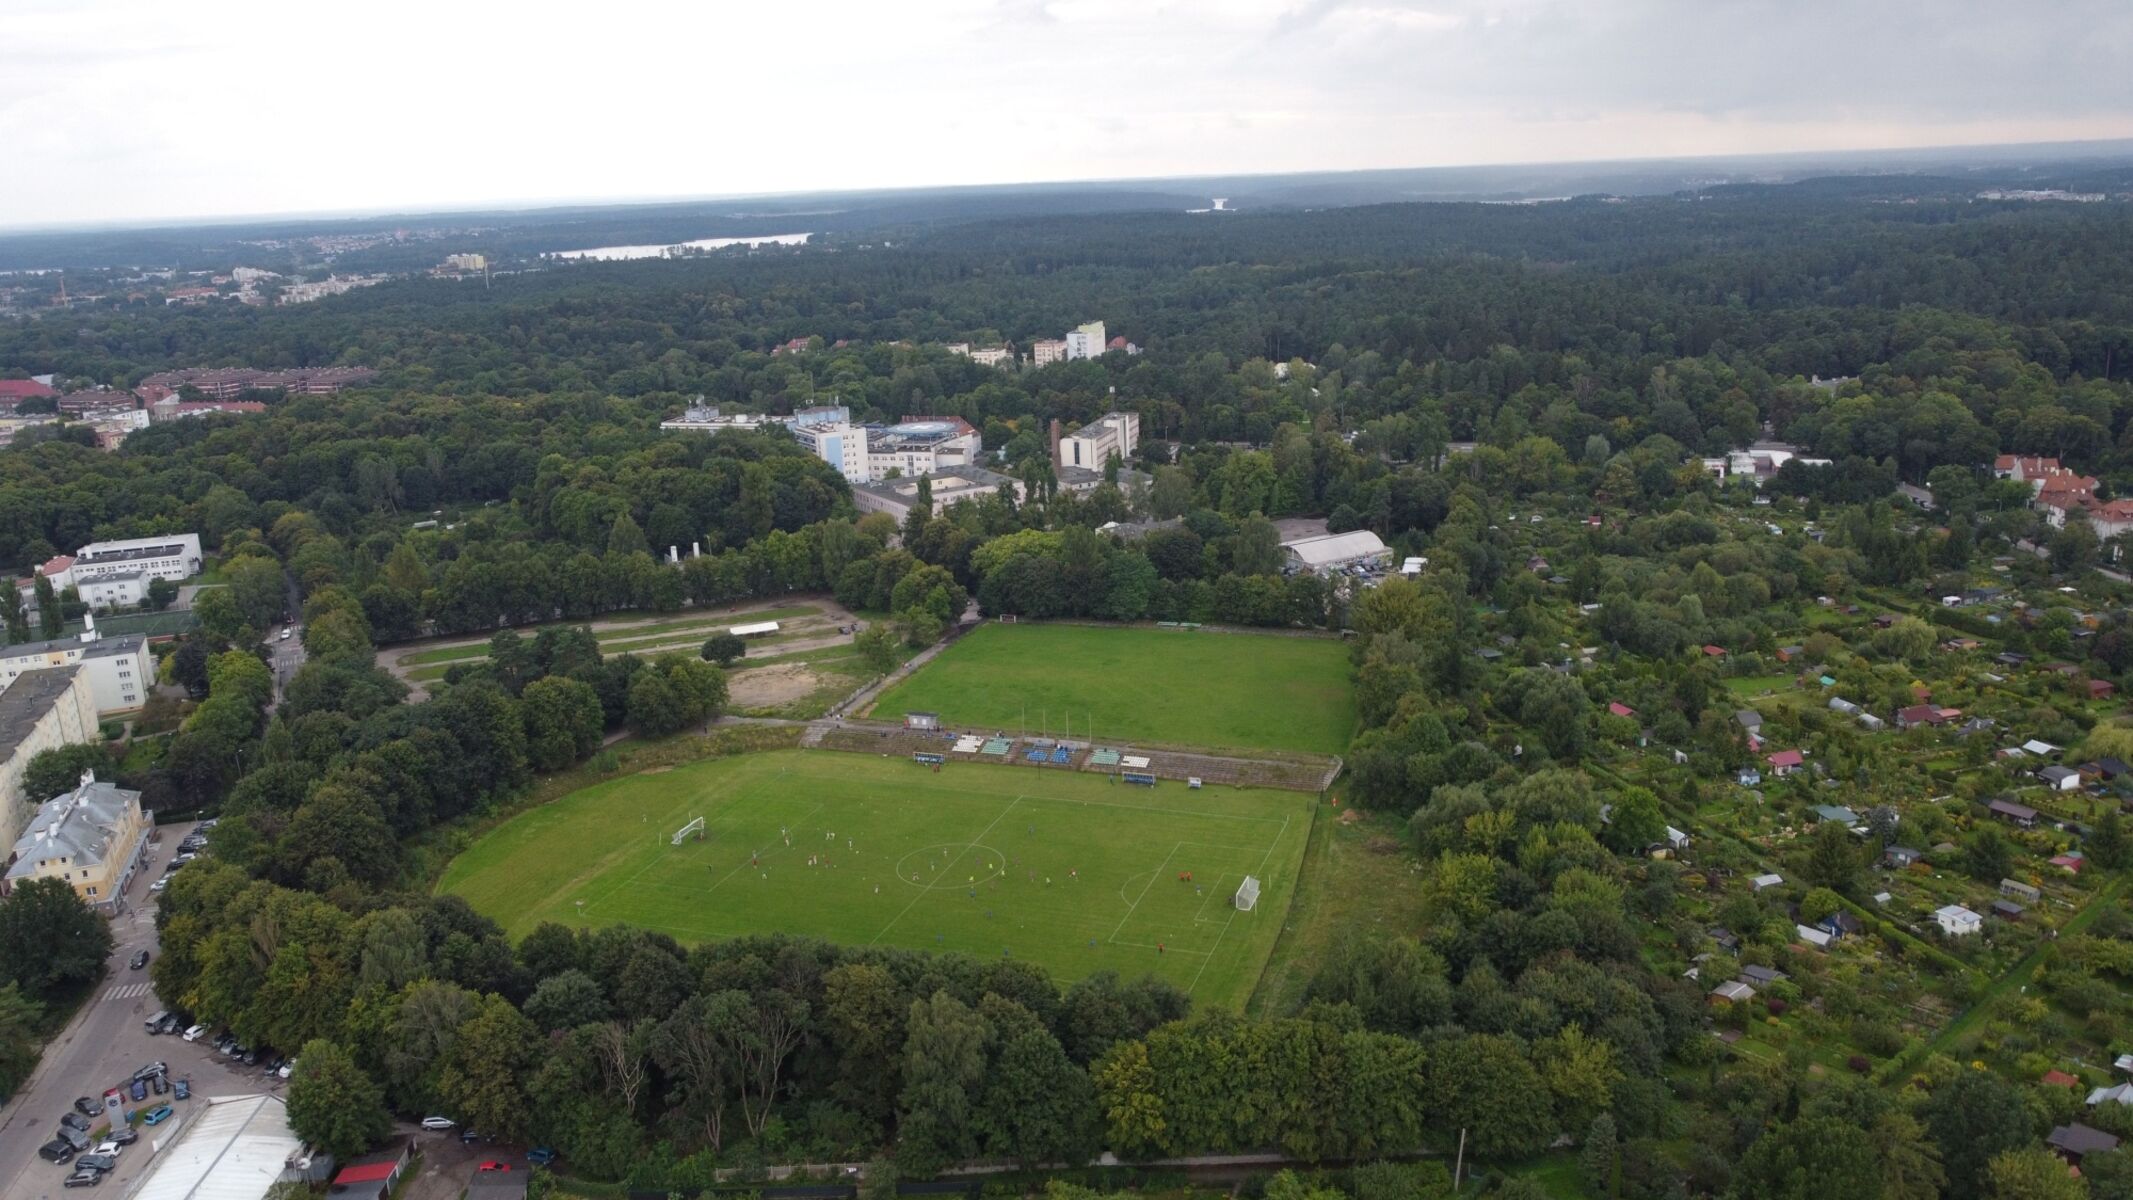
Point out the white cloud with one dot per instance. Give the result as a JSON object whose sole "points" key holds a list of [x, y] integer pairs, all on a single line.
{"points": [[114, 109]]}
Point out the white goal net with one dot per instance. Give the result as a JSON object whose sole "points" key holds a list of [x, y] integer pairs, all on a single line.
{"points": [[696, 827], [1248, 894]]}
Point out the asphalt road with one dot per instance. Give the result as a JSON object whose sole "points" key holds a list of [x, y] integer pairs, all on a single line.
{"points": [[103, 1046], [287, 657]]}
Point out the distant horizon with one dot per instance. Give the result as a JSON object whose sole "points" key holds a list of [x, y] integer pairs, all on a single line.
{"points": [[2073, 148]]}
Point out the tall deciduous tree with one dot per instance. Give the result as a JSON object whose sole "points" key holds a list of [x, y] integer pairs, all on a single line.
{"points": [[49, 940], [333, 1104]]}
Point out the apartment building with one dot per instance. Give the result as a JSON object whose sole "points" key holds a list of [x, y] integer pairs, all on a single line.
{"points": [[39, 711], [93, 837], [1046, 351], [1086, 341], [119, 670]]}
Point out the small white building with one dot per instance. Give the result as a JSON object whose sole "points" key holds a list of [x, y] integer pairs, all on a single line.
{"points": [[119, 589], [1957, 921], [1763, 883]]}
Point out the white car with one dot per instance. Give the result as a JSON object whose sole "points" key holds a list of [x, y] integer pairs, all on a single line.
{"points": [[438, 1123], [109, 1149], [195, 1033], [286, 1068]]}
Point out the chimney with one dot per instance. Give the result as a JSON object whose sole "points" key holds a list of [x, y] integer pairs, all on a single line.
{"points": [[1055, 443]]}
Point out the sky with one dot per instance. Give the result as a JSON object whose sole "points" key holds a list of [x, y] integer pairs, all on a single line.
{"points": [[135, 110]]}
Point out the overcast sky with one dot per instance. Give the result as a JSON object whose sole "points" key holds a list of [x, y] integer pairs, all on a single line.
{"points": [[138, 109]]}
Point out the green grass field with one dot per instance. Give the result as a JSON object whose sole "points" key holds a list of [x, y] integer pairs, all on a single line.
{"points": [[1065, 869], [1215, 690]]}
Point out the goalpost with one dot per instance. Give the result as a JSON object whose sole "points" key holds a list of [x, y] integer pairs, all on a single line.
{"points": [[1248, 894], [696, 827]]}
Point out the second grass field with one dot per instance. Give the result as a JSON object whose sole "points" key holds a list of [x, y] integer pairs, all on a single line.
{"points": [[1127, 685], [1072, 871]]}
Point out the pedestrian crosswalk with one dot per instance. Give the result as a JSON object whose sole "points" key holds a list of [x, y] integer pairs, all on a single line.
{"points": [[127, 991]]}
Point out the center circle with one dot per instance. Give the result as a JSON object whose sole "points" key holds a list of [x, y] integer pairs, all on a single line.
{"points": [[951, 865]]}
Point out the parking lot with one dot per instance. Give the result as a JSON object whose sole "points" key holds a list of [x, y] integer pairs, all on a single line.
{"points": [[103, 1047]]}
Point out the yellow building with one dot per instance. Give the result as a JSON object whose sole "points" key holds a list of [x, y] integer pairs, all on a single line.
{"points": [[92, 837]]}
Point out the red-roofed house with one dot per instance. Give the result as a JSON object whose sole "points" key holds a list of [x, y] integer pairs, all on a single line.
{"points": [[2101, 689], [1714, 651], [2057, 1078], [1620, 709], [1785, 762], [2070, 863]]}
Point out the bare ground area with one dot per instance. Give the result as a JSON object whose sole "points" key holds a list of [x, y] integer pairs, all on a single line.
{"points": [[773, 686]]}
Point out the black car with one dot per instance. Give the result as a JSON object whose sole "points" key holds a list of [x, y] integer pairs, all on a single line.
{"points": [[96, 1162], [74, 1121], [161, 1083], [124, 1135], [139, 959], [88, 1108], [58, 1150], [154, 1068]]}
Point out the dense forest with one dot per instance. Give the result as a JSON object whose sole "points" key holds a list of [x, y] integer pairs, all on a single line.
{"points": [[1331, 364]]}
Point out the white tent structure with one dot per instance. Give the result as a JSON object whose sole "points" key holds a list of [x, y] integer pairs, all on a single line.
{"points": [[1332, 551], [227, 1148]]}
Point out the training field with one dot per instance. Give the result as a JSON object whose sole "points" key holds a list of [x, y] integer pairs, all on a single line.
{"points": [[1066, 869], [1136, 684]]}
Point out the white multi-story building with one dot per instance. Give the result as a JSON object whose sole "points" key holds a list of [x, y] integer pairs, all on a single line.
{"points": [[119, 669], [1045, 351], [828, 432], [173, 556], [920, 446], [706, 418], [1086, 341], [992, 356], [1093, 444]]}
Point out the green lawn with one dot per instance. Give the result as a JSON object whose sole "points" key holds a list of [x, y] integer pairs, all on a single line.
{"points": [[1140, 685], [1069, 870], [1757, 685]]}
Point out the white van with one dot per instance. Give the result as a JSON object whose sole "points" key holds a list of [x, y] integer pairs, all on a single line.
{"points": [[155, 1023]]}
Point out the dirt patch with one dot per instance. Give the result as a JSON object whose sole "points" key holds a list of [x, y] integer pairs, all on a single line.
{"points": [[1350, 815], [1383, 845], [655, 770], [773, 686]]}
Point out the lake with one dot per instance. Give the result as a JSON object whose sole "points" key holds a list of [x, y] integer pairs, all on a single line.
{"points": [[618, 253]]}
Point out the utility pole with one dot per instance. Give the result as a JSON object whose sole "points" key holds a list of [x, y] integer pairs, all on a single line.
{"points": [[1459, 1160]]}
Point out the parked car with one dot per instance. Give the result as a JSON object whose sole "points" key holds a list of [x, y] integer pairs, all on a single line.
{"points": [[88, 1108], [140, 1090], [57, 1150], [493, 1165], [139, 960], [74, 1137], [74, 1121], [97, 1162], [285, 1068], [154, 1068], [160, 1083], [285, 633], [124, 1135], [83, 1179], [438, 1123], [171, 1023], [157, 1115], [159, 885], [540, 1156], [182, 1090], [195, 1033]]}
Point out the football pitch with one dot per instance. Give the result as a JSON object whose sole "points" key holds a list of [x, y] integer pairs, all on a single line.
{"points": [[1123, 684], [1072, 871]]}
